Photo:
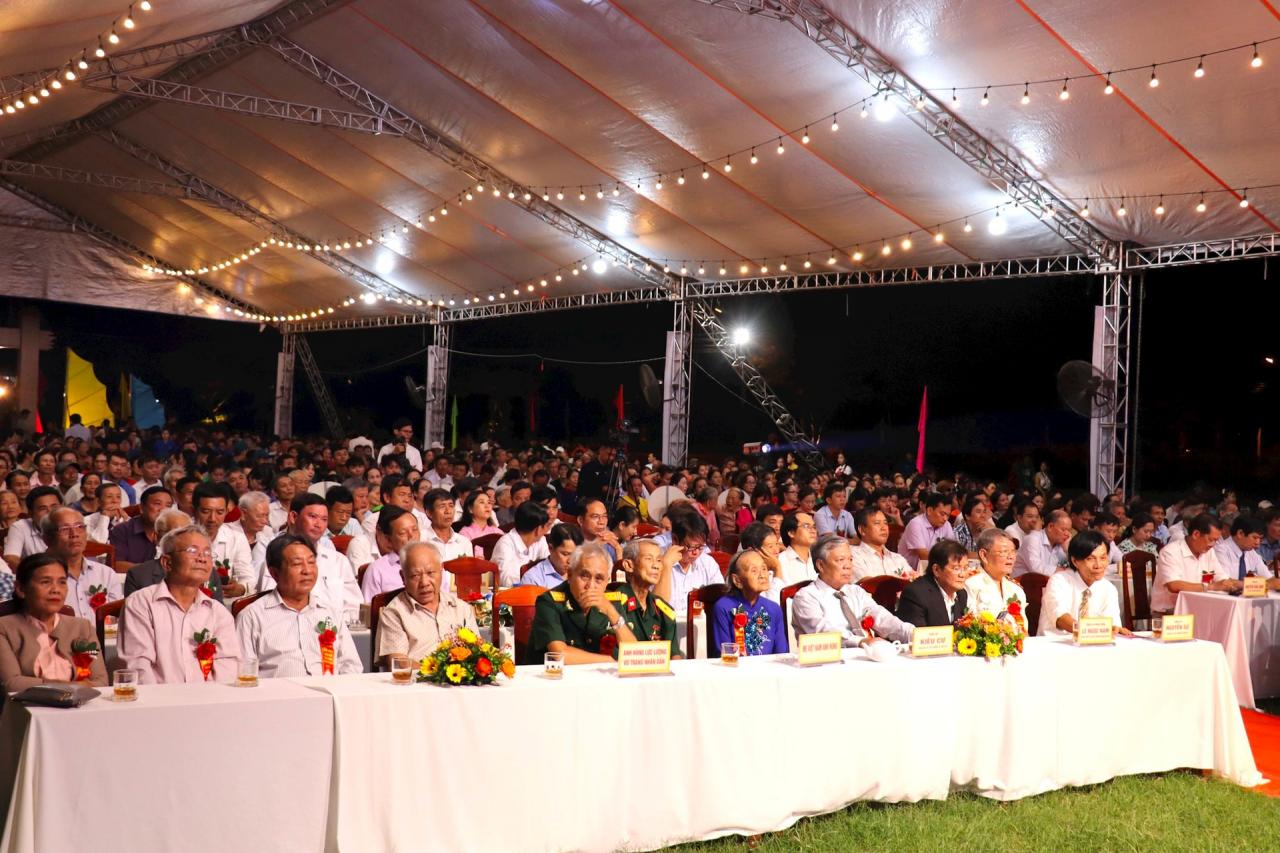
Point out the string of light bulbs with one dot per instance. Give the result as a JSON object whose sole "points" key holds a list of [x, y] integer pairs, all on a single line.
{"points": [[107, 40]]}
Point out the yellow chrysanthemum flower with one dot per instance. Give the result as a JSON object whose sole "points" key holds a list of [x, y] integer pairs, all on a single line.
{"points": [[987, 616], [455, 672], [993, 650], [967, 646], [466, 635], [428, 666]]}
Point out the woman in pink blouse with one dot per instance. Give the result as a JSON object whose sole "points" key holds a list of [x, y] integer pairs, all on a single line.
{"points": [[40, 644], [477, 516]]}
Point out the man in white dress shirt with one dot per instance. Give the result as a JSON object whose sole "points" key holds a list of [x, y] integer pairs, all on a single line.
{"points": [[1044, 551], [924, 531], [1081, 589], [335, 585], [990, 589], [871, 557], [440, 533], [800, 531], [1026, 519], [439, 476], [90, 584], [282, 629], [25, 537], [231, 552], [1183, 565], [402, 433], [1238, 555], [255, 525], [283, 490], [696, 567], [832, 517], [523, 544], [834, 602]]}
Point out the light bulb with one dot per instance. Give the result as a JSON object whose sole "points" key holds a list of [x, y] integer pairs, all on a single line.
{"points": [[723, 271], [782, 267], [1160, 207], [883, 109], [743, 269], [1199, 72], [497, 192], [616, 192], [886, 249], [967, 227], [55, 83], [998, 225], [469, 196], [937, 237], [705, 173], [862, 113], [1244, 199], [82, 63], [804, 140], [145, 5], [1026, 94], [754, 158], [920, 101], [702, 270], [560, 195], [680, 179], [581, 195], [113, 38], [658, 184], [1154, 81], [906, 243], [598, 266], [986, 97], [546, 196], [955, 101], [782, 149], [1256, 62], [1064, 94], [70, 75], [764, 270], [1084, 211], [33, 99], [807, 263], [857, 256], [1122, 210], [128, 21], [599, 193], [1108, 89], [99, 51], [835, 125], [728, 167]]}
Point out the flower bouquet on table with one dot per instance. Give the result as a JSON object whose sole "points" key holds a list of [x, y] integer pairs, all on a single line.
{"points": [[465, 659], [482, 606], [82, 654], [989, 635]]}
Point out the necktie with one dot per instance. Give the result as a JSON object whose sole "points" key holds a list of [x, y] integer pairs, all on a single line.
{"points": [[1084, 603], [848, 614], [1241, 566]]}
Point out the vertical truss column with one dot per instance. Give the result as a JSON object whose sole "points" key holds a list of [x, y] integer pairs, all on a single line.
{"points": [[677, 385], [324, 400], [1109, 434], [283, 424], [437, 386], [756, 384]]}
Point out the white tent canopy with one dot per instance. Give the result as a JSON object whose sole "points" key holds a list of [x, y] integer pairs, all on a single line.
{"points": [[591, 97]]}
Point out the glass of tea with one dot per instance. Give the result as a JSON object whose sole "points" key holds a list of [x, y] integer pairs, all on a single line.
{"points": [[729, 654], [247, 673], [126, 685], [553, 664], [401, 669]]}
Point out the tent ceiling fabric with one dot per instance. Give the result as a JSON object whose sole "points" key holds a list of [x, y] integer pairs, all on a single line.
{"points": [[581, 93]]}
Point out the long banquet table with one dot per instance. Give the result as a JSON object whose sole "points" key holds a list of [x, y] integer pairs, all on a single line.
{"points": [[594, 762], [1249, 631], [188, 768]]}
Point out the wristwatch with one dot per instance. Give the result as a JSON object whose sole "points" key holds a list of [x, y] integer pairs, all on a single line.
{"points": [[622, 620]]}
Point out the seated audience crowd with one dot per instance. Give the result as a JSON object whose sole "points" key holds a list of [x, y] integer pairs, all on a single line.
{"points": [[226, 547]]}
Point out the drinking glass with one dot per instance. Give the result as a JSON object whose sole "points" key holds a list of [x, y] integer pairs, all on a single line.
{"points": [[554, 664], [126, 685], [729, 654], [1157, 626], [247, 673], [401, 670]]}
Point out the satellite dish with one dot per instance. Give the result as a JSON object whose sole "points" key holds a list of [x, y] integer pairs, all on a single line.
{"points": [[417, 393], [650, 387], [1085, 390], [661, 498]]}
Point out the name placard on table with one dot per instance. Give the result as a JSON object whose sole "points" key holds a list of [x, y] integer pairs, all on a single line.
{"points": [[1094, 631], [815, 649], [647, 658], [1255, 588], [936, 641], [1178, 629]]}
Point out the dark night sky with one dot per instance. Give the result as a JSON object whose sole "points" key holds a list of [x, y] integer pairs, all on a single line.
{"points": [[853, 362]]}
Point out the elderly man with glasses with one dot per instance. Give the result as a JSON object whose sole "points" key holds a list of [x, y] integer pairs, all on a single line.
{"points": [[168, 628], [90, 584]]}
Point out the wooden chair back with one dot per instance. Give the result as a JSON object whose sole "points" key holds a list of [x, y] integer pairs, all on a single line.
{"points": [[379, 601], [644, 529], [784, 598], [507, 528], [527, 566], [341, 543], [134, 510], [111, 608], [101, 552], [729, 542], [895, 535], [468, 572], [487, 543], [523, 601], [1136, 606], [1033, 585], [708, 595], [722, 560], [885, 590], [244, 601], [566, 517]]}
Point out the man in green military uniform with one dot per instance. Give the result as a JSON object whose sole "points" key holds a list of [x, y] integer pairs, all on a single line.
{"points": [[578, 617], [648, 615]]}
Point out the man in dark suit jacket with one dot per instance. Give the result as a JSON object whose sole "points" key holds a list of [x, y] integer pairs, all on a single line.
{"points": [[923, 603]]}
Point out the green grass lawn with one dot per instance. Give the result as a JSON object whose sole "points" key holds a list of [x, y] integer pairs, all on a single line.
{"points": [[1172, 811]]}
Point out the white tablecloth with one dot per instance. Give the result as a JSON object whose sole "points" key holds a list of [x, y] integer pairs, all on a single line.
{"points": [[1249, 631], [184, 768], [594, 762]]}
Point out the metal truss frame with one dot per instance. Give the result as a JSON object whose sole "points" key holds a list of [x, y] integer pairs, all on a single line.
{"points": [[203, 54], [436, 388], [445, 149], [199, 188], [122, 183], [677, 385], [282, 424], [121, 245], [250, 105], [755, 382], [1110, 435], [1007, 171], [1203, 252], [33, 223], [324, 400]]}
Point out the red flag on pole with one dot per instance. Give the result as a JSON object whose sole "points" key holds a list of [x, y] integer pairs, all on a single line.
{"points": [[619, 404], [533, 413], [920, 425]]}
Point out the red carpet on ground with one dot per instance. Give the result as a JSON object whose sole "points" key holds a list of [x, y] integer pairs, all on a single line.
{"points": [[1264, 737]]}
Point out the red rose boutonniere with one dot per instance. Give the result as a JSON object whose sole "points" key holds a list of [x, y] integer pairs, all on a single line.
{"points": [[328, 636], [82, 654], [868, 624], [608, 643], [206, 650], [97, 596]]}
